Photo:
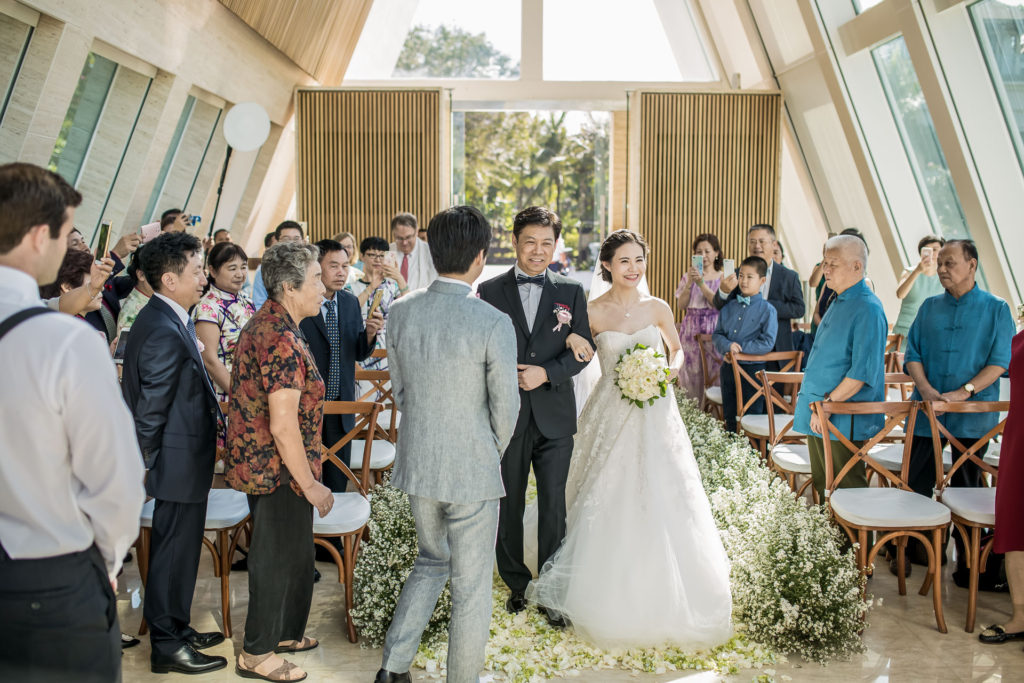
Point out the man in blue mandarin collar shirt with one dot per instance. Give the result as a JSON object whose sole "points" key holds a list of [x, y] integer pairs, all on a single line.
{"points": [[847, 361]]}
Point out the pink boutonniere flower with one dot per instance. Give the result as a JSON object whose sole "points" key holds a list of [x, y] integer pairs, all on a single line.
{"points": [[563, 315], [202, 347]]}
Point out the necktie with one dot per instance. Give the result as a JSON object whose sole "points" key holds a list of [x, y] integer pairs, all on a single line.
{"points": [[526, 279], [190, 327], [405, 268], [334, 339], [744, 300]]}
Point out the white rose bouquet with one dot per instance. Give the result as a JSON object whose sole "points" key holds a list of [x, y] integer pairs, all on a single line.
{"points": [[642, 375]]}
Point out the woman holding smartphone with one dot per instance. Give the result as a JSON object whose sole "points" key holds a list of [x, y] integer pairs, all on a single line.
{"points": [[379, 275], [918, 284], [695, 294]]}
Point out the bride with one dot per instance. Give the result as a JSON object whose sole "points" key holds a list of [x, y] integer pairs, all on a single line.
{"points": [[642, 563]]}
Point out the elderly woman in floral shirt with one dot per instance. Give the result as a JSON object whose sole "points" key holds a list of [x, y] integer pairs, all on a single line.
{"points": [[222, 313]]}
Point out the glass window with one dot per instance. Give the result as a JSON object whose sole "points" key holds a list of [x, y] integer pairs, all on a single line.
{"points": [[863, 5], [14, 38], [917, 132], [610, 40], [1000, 29], [444, 39], [82, 117]]}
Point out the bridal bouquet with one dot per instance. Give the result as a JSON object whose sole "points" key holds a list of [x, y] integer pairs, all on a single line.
{"points": [[642, 375]]}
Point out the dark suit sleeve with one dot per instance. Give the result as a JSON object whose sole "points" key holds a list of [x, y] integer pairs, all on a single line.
{"points": [[161, 357], [718, 301], [791, 304], [363, 347], [564, 366]]}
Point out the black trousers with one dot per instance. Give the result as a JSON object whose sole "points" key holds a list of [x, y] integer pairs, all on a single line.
{"points": [[280, 569], [921, 475], [176, 544], [58, 620], [729, 393], [332, 432], [550, 460]]}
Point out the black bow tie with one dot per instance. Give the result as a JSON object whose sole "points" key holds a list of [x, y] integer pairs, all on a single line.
{"points": [[527, 280]]}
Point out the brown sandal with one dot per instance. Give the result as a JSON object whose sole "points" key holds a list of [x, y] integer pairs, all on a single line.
{"points": [[281, 673], [306, 643]]}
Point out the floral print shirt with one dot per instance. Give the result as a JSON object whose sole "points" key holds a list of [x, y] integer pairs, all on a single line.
{"points": [[230, 313], [130, 308], [271, 354]]}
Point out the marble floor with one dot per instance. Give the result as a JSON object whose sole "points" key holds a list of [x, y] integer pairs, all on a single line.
{"points": [[901, 639]]}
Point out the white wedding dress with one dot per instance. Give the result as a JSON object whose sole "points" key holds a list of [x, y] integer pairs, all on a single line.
{"points": [[642, 564]]}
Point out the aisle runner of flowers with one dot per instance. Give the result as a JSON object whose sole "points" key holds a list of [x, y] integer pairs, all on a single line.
{"points": [[794, 590]]}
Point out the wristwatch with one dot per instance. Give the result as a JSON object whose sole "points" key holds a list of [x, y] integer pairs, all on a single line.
{"points": [[969, 388]]}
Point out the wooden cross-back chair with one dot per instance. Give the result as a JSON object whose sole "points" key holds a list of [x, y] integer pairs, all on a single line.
{"points": [[973, 509], [380, 391], [348, 518], [787, 450], [895, 511], [755, 427], [711, 401]]}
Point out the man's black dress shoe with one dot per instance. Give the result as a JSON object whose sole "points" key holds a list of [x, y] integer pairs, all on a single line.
{"points": [[185, 660], [907, 567], [555, 620], [201, 641], [385, 676], [516, 602]]}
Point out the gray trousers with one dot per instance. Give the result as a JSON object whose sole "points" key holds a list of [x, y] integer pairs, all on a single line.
{"points": [[456, 541]]}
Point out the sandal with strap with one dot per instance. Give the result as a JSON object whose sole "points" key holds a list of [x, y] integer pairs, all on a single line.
{"points": [[281, 673], [306, 643], [996, 634]]}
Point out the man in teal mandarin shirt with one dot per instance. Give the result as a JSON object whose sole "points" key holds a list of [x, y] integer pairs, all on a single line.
{"points": [[847, 361]]}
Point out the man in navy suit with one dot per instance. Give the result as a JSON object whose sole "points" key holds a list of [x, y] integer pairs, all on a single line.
{"points": [[176, 415], [337, 339], [782, 286]]}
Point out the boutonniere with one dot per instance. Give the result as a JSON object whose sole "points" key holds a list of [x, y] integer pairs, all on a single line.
{"points": [[201, 345], [563, 315]]}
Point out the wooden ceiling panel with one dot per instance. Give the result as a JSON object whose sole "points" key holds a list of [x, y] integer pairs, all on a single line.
{"points": [[318, 35]]}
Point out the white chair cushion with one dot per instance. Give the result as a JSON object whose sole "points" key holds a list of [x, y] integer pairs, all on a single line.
{"points": [[888, 508], [224, 509], [758, 424], [792, 457], [382, 455], [384, 419], [350, 513], [973, 504], [714, 394]]}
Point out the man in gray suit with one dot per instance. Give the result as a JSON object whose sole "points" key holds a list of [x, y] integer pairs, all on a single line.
{"points": [[458, 414]]}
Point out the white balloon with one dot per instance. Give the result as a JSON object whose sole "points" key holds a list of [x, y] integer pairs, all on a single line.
{"points": [[246, 126]]}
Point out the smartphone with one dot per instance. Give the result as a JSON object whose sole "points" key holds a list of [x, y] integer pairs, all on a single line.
{"points": [[390, 259], [697, 261], [103, 243], [194, 220], [122, 344], [375, 303], [728, 267], [926, 253]]}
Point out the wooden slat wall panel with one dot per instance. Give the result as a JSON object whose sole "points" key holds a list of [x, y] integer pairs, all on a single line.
{"points": [[363, 156], [709, 162]]}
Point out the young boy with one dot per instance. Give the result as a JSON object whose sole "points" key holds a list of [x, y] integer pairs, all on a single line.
{"points": [[746, 324]]}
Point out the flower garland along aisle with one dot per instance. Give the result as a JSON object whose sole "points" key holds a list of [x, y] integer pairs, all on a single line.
{"points": [[794, 591]]}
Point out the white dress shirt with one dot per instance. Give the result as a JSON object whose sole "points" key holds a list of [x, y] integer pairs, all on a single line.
{"points": [[71, 472], [421, 266], [455, 281], [529, 294]]}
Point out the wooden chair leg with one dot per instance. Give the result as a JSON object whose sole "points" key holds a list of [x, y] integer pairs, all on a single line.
{"points": [[901, 563], [224, 562], [862, 551], [351, 544], [935, 569], [974, 560]]}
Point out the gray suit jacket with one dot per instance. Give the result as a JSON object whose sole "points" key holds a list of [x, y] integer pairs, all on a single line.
{"points": [[452, 359]]}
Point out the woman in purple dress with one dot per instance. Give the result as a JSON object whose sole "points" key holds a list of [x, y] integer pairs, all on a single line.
{"points": [[694, 294]]}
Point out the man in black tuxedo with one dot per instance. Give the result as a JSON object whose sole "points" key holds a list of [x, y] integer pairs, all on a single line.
{"points": [[782, 286], [176, 415], [545, 308], [337, 340]]}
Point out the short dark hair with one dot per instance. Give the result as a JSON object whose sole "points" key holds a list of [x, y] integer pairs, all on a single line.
{"points": [[969, 248], [225, 252], [31, 195], [930, 239], [288, 225], [217, 232], [167, 253], [715, 244], [856, 233], [327, 246], [535, 215], [268, 238], [169, 216], [761, 226], [757, 263], [374, 242], [782, 249], [404, 218], [457, 235], [612, 244], [133, 267], [75, 266]]}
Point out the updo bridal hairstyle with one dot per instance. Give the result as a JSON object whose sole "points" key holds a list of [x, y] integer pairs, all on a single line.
{"points": [[612, 244]]}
